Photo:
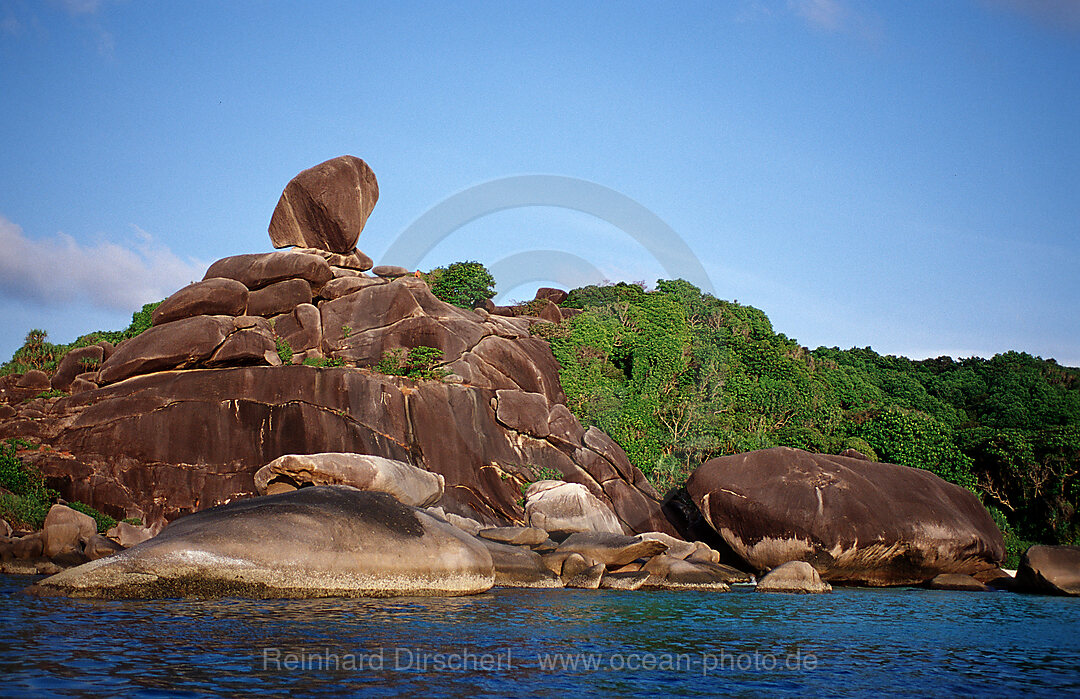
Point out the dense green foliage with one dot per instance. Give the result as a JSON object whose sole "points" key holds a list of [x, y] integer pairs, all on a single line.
{"points": [[103, 521], [27, 499], [418, 363], [677, 377], [284, 350], [463, 284], [38, 353], [322, 362]]}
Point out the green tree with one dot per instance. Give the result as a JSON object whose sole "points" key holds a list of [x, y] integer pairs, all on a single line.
{"points": [[916, 439], [463, 284]]}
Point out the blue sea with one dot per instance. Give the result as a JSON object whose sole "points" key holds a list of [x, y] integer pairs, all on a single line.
{"points": [[548, 643]]}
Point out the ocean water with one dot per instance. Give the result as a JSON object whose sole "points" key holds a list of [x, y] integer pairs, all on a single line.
{"points": [[549, 643]]}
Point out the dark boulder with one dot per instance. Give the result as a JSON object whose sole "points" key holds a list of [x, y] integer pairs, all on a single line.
{"points": [[301, 327], [314, 542], [262, 269], [280, 297], [519, 567], [81, 385], [611, 549], [556, 296], [343, 286], [956, 582], [355, 260], [248, 347], [214, 296], [326, 206], [34, 380], [856, 521], [550, 312], [1049, 570], [76, 362], [172, 345], [390, 271], [523, 412]]}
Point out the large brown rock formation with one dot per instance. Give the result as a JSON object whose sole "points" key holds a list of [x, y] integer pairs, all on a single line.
{"points": [[179, 418], [326, 206], [855, 521]]}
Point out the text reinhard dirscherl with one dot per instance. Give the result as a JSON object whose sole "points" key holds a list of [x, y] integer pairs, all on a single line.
{"points": [[417, 660]]}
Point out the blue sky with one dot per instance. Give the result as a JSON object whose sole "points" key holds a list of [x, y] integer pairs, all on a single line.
{"points": [[899, 175]]}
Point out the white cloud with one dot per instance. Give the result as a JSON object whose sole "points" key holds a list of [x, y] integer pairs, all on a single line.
{"points": [[59, 270]]}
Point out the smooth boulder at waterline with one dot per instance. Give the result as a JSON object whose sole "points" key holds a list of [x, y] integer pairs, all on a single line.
{"points": [[319, 541]]}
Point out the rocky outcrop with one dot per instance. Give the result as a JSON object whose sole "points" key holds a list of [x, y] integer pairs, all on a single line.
{"points": [[65, 534], [793, 576], [556, 296], [172, 345], [259, 270], [566, 508], [1049, 570], [326, 206], [67, 538], [611, 549], [34, 380], [128, 535], [671, 573], [169, 443], [409, 485], [211, 297], [516, 536], [75, 362], [181, 417], [956, 582], [855, 521], [516, 566], [314, 542]]}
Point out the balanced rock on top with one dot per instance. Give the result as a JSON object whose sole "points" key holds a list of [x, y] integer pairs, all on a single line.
{"points": [[326, 207]]}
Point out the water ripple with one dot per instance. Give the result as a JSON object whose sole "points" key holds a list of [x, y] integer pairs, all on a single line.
{"points": [[903, 642]]}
